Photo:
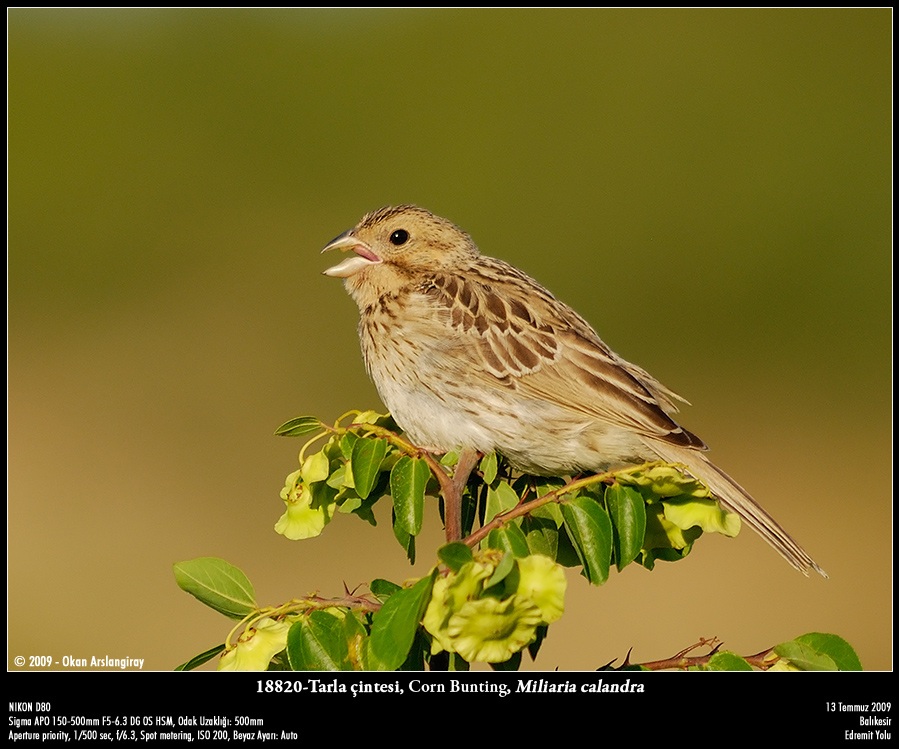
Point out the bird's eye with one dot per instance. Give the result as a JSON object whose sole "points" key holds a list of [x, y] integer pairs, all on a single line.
{"points": [[399, 237]]}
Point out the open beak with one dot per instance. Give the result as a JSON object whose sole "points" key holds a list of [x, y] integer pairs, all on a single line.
{"points": [[362, 259]]}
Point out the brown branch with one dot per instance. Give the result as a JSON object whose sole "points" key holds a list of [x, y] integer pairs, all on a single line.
{"points": [[392, 437], [683, 661], [349, 601]]}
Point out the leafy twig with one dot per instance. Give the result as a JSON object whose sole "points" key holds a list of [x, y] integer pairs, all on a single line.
{"points": [[526, 507]]}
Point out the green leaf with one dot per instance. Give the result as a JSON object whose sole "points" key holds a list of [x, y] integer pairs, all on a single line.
{"points": [[346, 444], [545, 485], [218, 584], [408, 481], [727, 661], [818, 651], [364, 509], [534, 647], [317, 643], [383, 589], [469, 511], [500, 498], [405, 539], [628, 514], [489, 467], [551, 512], [509, 538], [590, 530], [368, 454], [566, 554], [542, 534], [199, 660], [337, 479], [349, 504], [394, 626], [418, 653], [455, 555], [501, 572], [299, 426]]}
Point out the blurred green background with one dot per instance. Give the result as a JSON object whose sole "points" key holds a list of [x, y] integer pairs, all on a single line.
{"points": [[710, 188]]}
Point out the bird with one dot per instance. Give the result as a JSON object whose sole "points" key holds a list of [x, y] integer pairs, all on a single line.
{"points": [[468, 352]]}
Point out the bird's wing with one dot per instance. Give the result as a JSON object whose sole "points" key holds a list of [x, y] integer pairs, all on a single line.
{"points": [[512, 332]]}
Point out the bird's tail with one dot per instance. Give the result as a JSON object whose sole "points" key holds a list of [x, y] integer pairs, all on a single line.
{"points": [[736, 499]]}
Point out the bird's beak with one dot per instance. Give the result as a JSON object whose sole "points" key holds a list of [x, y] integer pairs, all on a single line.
{"points": [[362, 259]]}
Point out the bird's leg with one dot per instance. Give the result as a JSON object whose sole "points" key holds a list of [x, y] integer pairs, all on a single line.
{"points": [[452, 496]]}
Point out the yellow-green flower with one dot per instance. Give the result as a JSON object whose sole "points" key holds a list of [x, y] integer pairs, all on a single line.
{"points": [[543, 582], [256, 647], [368, 417], [437, 615], [300, 520], [492, 631], [702, 513], [783, 664], [467, 583], [462, 619], [665, 481], [293, 487], [448, 595], [661, 533], [315, 468]]}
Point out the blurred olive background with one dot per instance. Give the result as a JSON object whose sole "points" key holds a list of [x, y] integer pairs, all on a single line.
{"points": [[710, 188]]}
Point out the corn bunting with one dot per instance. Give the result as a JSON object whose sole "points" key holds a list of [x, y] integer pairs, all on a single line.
{"points": [[469, 353]]}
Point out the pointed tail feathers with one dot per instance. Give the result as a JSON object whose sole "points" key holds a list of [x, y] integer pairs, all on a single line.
{"points": [[736, 499]]}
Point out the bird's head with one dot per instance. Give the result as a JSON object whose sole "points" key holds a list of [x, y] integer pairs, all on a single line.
{"points": [[394, 245]]}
